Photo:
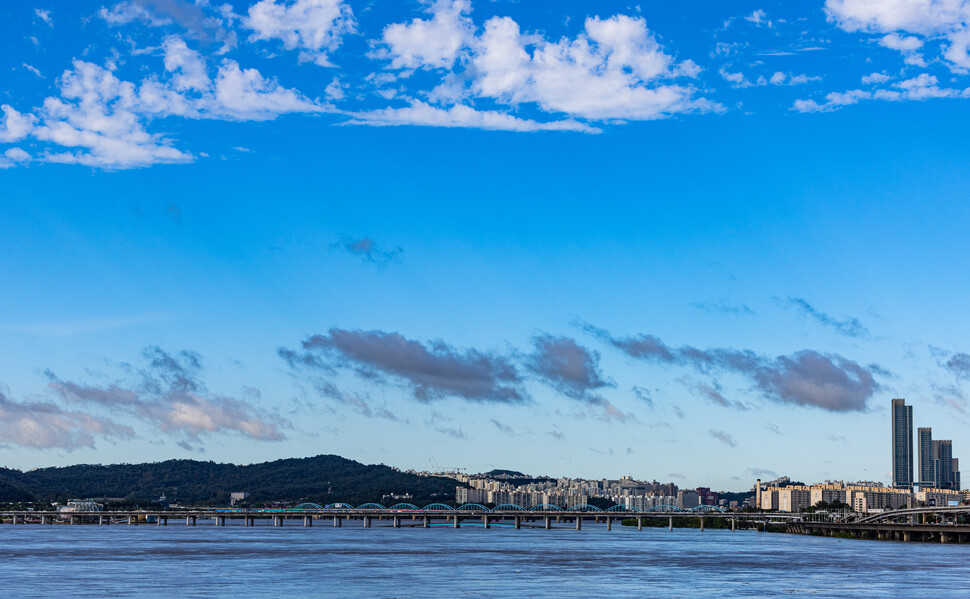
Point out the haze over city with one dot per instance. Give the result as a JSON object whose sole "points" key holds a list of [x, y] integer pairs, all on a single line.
{"points": [[702, 246]]}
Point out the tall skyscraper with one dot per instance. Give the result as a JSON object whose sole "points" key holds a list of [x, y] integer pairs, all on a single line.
{"points": [[927, 476], [943, 464], [902, 416]]}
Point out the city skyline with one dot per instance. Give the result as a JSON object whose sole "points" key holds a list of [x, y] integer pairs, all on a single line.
{"points": [[581, 240]]}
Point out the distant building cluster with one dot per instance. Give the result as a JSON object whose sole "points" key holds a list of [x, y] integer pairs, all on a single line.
{"points": [[938, 469], [568, 492], [863, 496]]}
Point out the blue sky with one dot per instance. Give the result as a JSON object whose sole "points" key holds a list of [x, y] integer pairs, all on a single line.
{"points": [[700, 243]]}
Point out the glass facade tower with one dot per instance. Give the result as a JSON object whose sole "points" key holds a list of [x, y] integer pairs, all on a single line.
{"points": [[902, 416]]}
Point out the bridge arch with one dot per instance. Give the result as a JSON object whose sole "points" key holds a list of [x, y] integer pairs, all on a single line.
{"points": [[339, 506], [371, 506], [584, 508], [309, 506], [665, 508], [508, 507], [404, 506], [472, 507], [545, 507], [438, 507]]}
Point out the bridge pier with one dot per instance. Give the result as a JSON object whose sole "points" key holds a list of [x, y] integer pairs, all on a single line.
{"points": [[457, 523], [220, 521], [366, 521], [670, 524], [397, 522], [639, 523], [427, 522], [609, 523], [336, 521], [702, 523], [733, 524], [485, 521], [518, 522], [548, 522], [579, 522], [307, 521], [190, 520], [277, 520]]}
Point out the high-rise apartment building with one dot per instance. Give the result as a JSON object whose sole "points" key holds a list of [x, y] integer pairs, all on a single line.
{"points": [[943, 464], [927, 475], [902, 416]]}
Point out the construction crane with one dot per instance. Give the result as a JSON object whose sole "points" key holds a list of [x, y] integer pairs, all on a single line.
{"points": [[436, 469]]}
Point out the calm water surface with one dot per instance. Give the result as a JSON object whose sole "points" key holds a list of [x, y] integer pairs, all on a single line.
{"points": [[205, 561]]}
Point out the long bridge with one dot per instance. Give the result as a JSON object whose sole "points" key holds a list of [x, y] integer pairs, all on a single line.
{"points": [[907, 524], [401, 515]]}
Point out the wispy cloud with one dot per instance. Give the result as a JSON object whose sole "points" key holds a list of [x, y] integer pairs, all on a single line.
{"points": [[85, 326], [762, 472], [574, 371], [724, 306], [848, 326], [430, 370], [508, 430], [722, 436], [370, 251], [805, 378], [44, 425], [171, 396]]}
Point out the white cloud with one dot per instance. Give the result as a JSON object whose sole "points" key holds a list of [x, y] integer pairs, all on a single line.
{"points": [[14, 126], [335, 90], [103, 120], [420, 113], [833, 101], [875, 78], [33, 70], [44, 15], [901, 43], [782, 78], [97, 113], [200, 19], [434, 43], [905, 45], [922, 87], [738, 80], [186, 64], [14, 157], [127, 12], [611, 71], [315, 27], [244, 94], [759, 18], [928, 18]]}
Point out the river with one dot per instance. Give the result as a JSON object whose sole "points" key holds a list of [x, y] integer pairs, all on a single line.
{"points": [[205, 561]]}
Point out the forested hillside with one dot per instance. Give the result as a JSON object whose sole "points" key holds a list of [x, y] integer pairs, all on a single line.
{"points": [[321, 479]]}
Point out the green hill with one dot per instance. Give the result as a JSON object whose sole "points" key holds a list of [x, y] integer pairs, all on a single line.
{"points": [[321, 479]]}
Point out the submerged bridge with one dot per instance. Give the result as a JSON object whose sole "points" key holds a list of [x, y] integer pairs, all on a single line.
{"points": [[401, 515]]}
